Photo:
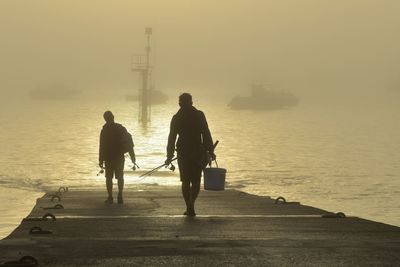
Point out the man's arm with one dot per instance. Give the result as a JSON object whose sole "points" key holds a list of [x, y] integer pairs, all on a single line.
{"points": [[171, 139], [206, 134], [131, 151], [101, 150], [132, 155]]}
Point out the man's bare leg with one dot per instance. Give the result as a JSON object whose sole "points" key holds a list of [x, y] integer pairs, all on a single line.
{"points": [[120, 186], [186, 193], [194, 192], [109, 185], [120, 189]]}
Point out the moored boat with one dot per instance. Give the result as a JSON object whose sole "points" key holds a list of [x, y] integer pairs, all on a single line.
{"points": [[262, 99]]}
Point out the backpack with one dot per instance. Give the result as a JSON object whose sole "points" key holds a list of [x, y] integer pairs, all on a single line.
{"points": [[127, 142]]}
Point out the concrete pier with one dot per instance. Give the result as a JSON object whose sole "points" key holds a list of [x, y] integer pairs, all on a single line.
{"points": [[232, 229]]}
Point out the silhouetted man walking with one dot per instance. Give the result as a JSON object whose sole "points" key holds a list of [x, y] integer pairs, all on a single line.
{"points": [[114, 142], [193, 143]]}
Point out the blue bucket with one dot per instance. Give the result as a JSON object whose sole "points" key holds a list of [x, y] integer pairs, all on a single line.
{"points": [[214, 178]]}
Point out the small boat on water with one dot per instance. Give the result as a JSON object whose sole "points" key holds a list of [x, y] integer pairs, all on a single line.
{"points": [[57, 92], [262, 99], [157, 97]]}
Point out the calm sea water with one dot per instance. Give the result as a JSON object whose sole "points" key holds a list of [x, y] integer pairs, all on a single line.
{"points": [[337, 157]]}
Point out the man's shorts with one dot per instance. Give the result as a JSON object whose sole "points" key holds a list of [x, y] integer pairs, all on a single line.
{"points": [[115, 167], [189, 169]]}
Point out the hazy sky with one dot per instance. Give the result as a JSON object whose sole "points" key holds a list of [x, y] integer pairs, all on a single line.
{"points": [[292, 44]]}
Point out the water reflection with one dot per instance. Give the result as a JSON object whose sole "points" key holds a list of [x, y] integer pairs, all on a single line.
{"points": [[315, 155]]}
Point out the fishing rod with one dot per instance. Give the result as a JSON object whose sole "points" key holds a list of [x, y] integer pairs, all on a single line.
{"points": [[100, 172], [134, 167], [159, 167], [216, 144], [172, 168]]}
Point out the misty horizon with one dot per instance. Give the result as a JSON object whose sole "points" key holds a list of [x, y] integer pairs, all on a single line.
{"points": [[306, 47]]}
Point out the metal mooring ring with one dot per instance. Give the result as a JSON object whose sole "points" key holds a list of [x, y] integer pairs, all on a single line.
{"points": [[25, 261], [36, 230], [29, 261], [61, 189], [339, 215], [55, 197], [280, 200], [47, 215]]}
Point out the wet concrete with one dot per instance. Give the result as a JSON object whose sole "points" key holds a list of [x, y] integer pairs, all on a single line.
{"points": [[232, 229]]}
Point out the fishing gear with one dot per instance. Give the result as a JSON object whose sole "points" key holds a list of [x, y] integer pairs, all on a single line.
{"points": [[100, 172], [135, 166], [172, 168], [216, 144], [208, 158]]}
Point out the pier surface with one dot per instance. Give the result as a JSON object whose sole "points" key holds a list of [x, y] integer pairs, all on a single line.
{"points": [[232, 229]]}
